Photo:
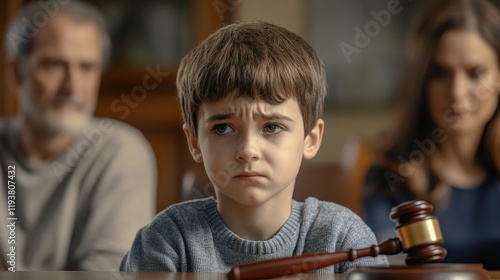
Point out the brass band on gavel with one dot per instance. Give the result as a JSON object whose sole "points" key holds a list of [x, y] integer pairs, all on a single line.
{"points": [[418, 233]]}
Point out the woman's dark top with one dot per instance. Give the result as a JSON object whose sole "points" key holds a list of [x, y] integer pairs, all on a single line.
{"points": [[470, 223]]}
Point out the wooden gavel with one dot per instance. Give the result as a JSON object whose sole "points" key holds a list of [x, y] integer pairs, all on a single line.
{"points": [[418, 233]]}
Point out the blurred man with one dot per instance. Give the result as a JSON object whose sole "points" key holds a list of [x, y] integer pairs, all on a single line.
{"points": [[74, 189]]}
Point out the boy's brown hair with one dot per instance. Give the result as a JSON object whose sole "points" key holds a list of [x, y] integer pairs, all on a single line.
{"points": [[256, 60]]}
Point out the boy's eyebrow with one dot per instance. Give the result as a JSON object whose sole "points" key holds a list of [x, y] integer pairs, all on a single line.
{"points": [[276, 116], [219, 117], [271, 116]]}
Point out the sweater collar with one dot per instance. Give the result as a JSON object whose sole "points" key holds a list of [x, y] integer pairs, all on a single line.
{"points": [[287, 235]]}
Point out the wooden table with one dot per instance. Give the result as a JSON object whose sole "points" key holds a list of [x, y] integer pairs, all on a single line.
{"points": [[87, 275]]}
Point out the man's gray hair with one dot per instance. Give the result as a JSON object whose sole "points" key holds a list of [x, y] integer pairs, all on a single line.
{"points": [[23, 29]]}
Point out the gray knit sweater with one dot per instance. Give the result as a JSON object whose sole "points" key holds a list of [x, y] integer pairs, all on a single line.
{"points": [[81, 209], [191, 236]]}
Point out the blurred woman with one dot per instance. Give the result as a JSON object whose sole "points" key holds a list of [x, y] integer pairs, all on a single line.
{"points": [[445, 147]]}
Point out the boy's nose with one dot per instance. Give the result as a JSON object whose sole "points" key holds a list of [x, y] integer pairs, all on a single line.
{"points": [[248, 151]]}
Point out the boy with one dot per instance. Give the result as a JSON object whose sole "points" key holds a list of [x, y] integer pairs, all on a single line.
{"points": [[252, 97]]}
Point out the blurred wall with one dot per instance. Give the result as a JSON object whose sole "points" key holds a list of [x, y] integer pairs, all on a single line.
{"points": [[291, 14]]}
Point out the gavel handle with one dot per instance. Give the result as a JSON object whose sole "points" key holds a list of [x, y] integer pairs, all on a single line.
{"points": [[306, 262]]}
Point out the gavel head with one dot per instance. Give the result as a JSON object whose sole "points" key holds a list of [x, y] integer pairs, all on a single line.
{"points": [[419, 232]]}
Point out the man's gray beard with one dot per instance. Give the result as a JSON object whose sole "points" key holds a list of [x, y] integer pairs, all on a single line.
{"points": [[52, 126], [55, 127]]}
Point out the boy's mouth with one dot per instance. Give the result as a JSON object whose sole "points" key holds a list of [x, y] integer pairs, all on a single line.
{"points": [[248, 175]]}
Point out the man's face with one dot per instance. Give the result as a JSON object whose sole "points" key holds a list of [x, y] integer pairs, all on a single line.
{"points": [[58, 89]]}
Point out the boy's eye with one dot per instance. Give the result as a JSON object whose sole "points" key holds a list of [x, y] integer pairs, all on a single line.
{"points": [[273, 128], [222, 129]]}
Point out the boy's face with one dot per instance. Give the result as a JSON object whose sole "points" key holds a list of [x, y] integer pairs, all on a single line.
{"points": [[252, 150]]}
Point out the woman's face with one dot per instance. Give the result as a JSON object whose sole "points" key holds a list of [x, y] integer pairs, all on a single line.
{"points": [[463, 87]]}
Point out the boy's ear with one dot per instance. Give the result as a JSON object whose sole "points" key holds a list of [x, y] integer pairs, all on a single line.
{"points": [[313, 140], [193, 145]]}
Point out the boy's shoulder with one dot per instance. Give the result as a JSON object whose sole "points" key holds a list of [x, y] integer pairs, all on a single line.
{"points": [[314, 205], [329, 216], [326, 220], [186, 212]]}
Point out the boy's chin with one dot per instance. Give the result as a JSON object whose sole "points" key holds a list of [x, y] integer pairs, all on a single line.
{"points": [[253, 199]]}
